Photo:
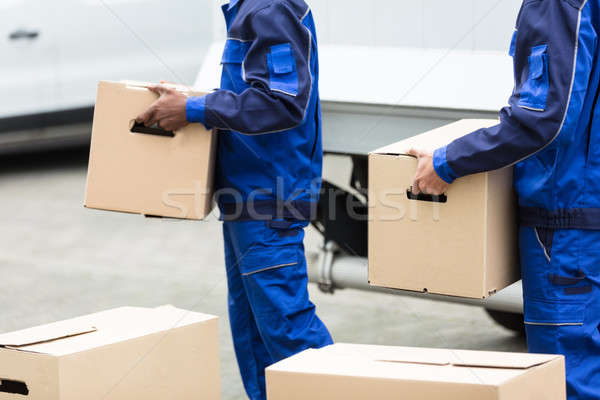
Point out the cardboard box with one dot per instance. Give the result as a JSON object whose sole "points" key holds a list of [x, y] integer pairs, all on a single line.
{"points": [[361, 372], [461, 244], [121, 354], [147, 171]]}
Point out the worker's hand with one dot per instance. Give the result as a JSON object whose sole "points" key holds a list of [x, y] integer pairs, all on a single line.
{"points": [[426, 180], [168, 111]]}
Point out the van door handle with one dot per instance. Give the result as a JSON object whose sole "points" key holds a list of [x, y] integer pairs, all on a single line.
{"points": [[24, 34]]}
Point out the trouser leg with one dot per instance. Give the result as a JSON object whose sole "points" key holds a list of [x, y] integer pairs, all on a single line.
{"points": [[275, 281], [562, 302], [250, 351]]}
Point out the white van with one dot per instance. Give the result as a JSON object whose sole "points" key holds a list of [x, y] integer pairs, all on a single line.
{"points": [[54, 52]]}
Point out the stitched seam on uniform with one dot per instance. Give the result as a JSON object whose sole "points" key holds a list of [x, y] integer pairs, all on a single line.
{"points": [[269, 268], [284, 92], [305, 14], [240, 40], [309, 59], [537, 236], [572, 302], [554, 324], [560, 128], [572, 4], [531, 108]]}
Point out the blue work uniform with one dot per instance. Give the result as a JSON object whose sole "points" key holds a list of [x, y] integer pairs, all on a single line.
{"points": [[551, 132], [268, 178]]}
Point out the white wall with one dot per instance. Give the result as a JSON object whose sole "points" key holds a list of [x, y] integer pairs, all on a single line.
{"points": [[462, 24]]}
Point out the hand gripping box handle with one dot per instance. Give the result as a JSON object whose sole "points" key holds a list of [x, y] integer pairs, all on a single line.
{"points": [[136, 127], [426, 197]]}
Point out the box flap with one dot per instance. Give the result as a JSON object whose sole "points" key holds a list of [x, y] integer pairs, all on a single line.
{"points": [[43, 334], [436, 138], [408, 355], [408, 364], [490, 359], [440, 357], [176, 86], [100, 329]]}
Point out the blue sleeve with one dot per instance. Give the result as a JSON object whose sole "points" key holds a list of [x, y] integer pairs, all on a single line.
{"points": [[553, 59], [278, 69], [195, 109], [441, 166]]}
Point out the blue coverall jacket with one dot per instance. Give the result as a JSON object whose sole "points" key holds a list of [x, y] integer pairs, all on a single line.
{"points": [[267, 112], [268, 178], [551, 132]]}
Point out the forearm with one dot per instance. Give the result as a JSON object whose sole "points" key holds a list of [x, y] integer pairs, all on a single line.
{"points": [[254, 111]]}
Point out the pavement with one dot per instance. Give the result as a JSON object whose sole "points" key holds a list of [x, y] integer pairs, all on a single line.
{"points": [[59, 260]]}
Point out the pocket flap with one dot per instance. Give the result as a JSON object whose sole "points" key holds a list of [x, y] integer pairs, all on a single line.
{"points": [[537, 61], [235, 51], [534, 91], [282, 58], [265, 259], [560, 280], [554, 312]]}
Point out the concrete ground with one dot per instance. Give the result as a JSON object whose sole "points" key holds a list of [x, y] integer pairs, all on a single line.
{"points": [[59, 260]]}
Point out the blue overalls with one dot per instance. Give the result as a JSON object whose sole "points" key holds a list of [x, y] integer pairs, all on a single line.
{"points": [[551, 131], [268, 178]]}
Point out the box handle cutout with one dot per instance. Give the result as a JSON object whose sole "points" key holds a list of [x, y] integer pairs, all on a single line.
{"points": [[426, 197], [13, 387], [136, 127]]}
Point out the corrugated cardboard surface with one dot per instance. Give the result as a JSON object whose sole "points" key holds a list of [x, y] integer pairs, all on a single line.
{"points": [[131, 352], [104, 328], [360, 372], [464, 247], [146, 174]]}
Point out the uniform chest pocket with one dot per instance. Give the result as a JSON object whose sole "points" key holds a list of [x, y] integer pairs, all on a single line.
{"points": [[233, 58], [283, 76], [534, 91]]}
